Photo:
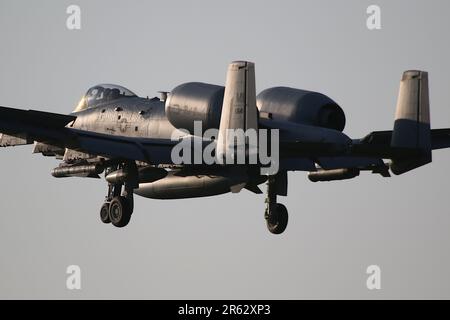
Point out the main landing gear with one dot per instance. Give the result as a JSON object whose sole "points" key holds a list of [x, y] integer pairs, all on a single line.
{"points": [[276, 214], [118, 206]]}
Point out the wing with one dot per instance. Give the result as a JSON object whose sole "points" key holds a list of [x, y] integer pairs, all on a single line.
{"points": [[25, 126], [30, 125]]}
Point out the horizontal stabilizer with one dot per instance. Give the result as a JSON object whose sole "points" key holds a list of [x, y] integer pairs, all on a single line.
{"points": [[440, 139]]}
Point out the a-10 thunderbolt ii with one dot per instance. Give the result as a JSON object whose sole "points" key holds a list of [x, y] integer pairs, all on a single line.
{"points": [[132, 139]]}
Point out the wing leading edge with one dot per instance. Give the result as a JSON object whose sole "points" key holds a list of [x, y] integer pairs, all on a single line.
{"points": [[20, 126]]}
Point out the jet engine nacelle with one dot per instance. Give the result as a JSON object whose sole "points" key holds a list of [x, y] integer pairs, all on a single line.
{"points": [[301, 106], [195, 101]]}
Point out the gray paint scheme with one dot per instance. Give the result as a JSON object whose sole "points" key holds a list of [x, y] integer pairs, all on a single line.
{"points": [[336, 229], [115, 131]]}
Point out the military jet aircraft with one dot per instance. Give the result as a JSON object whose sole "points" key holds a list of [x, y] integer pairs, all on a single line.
{"points": [[131, 139]]}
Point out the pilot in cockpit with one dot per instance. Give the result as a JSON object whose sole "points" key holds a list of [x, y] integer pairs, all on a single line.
{"points": [[115, 94], [107, 94], [102, 93]]}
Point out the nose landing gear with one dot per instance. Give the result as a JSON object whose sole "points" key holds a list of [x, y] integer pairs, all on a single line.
{"points": [[118, 206], [119, 211], [104, 213]]}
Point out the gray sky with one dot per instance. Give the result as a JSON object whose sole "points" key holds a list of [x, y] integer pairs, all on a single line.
{"points": [[219, 247]]}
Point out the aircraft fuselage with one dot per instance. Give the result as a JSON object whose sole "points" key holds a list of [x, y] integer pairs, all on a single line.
{"points": [[130, 117]]}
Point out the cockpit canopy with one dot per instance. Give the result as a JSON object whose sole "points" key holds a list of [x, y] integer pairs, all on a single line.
{"points": [[102, 93]]}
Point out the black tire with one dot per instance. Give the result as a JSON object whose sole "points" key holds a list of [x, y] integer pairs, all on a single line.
{"points": [[119, 212], [104, 213], [277, 220]]}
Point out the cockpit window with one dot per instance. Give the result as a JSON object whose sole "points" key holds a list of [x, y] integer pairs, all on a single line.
{"points": [[102, 93]]}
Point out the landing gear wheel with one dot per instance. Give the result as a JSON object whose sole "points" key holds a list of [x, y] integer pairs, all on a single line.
{"points": [[277, 218], [119, 212], [104, 213]]}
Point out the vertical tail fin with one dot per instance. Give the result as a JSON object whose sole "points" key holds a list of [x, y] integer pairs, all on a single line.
{"points": [[239, 112], [412, 121]]}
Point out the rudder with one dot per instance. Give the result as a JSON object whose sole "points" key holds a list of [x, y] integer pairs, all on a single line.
{"points": [[412, 121], [239, 112]]}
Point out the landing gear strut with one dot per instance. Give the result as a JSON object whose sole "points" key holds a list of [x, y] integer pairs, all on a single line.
{"points": [[118, 206], [276, 214]]}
